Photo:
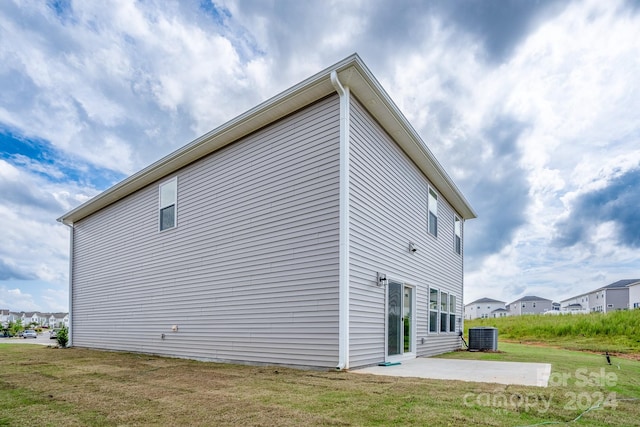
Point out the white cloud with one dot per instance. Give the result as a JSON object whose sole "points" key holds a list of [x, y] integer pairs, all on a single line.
{"points": [[122, 83], [15, 299], [571, 83]]}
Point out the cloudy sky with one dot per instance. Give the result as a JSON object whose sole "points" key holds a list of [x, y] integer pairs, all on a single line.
{"points": [[533, 108]]}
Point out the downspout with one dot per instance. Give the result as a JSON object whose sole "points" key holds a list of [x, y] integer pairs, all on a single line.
{"points": [[69, 331], [343, 293]]}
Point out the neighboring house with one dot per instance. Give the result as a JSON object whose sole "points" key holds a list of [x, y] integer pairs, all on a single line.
{"points": [[30, 317], [35, 317], [615, 296], [316, 229], [499, 312], [41, 319], [58, 320], [575, 308], [4, 317], [576, 303], [634, 295], [14, 316], [529, 305], [484, 308]]}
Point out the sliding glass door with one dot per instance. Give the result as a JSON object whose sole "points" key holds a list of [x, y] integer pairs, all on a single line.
{"points": [[400, 327]]}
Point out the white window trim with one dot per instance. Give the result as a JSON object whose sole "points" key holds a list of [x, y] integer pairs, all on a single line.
{"points": [[414, 316], [454, 312], [160, 207], [437, 311], [435, 194], [457, 220], [445, 312]]}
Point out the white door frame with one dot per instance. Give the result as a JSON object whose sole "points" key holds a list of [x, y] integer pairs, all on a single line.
{"points": [[411, 354]]}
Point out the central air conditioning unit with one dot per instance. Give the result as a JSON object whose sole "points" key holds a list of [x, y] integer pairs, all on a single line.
{"points": [[483, 338]]}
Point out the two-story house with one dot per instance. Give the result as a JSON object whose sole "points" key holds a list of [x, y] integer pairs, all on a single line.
{"points": [[316, 229], [484, 308], [530, 304]]}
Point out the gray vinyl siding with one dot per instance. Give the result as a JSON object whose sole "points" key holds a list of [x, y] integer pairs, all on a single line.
{"points": [[249, 274], [389, 210], [619, 298]]}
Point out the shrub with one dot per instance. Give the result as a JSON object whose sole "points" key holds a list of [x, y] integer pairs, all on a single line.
{"points": [[63, 337]]}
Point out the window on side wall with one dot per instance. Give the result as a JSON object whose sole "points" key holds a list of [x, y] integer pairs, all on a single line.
{"points": [[444, 311], [433, 213], [168, 199], [452, 313], [433, 310], [457, 235]]}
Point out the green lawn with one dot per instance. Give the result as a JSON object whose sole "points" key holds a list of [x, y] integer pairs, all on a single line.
{"points": [[618, 331], [80, 387]]}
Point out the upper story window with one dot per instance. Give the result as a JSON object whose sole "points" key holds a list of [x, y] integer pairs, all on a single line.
{"points": [[168, 199], [457, 235], [433, 212]]}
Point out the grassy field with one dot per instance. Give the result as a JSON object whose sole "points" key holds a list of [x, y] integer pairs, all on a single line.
{"points": [[80, 387], [617, 332]]}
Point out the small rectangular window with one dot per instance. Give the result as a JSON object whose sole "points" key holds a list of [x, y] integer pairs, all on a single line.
{"points": [[452, 313], [168, 200], [433, 213], [444, 317], [433, 310], [457, 235]]}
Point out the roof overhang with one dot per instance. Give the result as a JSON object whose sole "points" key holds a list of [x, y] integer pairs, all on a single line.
{"points": [[352, 72]]}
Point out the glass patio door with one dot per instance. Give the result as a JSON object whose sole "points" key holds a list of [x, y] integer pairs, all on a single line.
{"points": [[399, 319]]}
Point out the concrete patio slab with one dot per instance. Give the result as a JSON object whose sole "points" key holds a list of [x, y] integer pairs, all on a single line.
{"points": [[531, 374]]}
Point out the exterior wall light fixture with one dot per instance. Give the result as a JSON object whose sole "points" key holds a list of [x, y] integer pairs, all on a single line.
{"points": [[382, 279]]}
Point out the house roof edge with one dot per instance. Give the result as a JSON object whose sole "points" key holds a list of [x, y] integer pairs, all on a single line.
{"points": [[353, 73]]}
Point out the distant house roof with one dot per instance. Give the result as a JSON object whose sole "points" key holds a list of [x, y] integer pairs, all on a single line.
{"points": [[483, 300], [353, 73], [576, 305], [615, 285], [620, 284], [499, 310], [530, 298]]}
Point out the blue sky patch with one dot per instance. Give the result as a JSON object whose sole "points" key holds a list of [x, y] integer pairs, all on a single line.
{"points": [[43, 159]]}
